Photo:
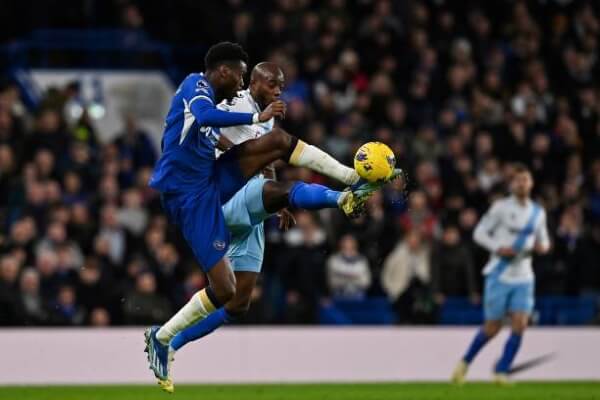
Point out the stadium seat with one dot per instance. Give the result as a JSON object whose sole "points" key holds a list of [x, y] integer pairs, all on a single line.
{"points": [[372, 311], [460, 311]]}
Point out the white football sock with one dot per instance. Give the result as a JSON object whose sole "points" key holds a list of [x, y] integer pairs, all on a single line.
{"points": [[199, 307], [309, 156]]}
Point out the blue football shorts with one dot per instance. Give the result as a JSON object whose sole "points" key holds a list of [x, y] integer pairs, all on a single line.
{"points": [[199, 214], [501, 298], [244, 216]]}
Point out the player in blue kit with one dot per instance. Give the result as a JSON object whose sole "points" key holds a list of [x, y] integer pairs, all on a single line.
{"points": [[194, 184], [260, 198]]}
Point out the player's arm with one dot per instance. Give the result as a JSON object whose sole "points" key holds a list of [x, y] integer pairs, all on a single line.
{"points": [[483, 233], [206, 114], [542, 238]]}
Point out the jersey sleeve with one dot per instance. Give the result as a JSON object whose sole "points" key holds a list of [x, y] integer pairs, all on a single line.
{"points": [[542, 237], [483, 233], [198, 97]]}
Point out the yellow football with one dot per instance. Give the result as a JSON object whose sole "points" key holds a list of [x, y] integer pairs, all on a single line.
{"points": [[374, 161]]}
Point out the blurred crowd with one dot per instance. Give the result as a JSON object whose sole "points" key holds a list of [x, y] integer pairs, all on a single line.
{"points": [[458, 89]]}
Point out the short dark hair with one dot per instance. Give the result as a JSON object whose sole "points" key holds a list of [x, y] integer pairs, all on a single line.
{"points": [[224, 52], [520, 168]]}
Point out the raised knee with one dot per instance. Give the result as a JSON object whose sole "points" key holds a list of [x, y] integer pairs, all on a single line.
{"points": [[519, 328], [491, 330]]}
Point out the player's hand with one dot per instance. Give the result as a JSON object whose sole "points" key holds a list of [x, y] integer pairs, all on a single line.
{"points": [[224, 144], [286, 219], [506, 252], [275, 109], [540, 249]]}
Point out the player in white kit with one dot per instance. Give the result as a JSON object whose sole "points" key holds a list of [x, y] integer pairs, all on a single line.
{"points": [[513, 229]]}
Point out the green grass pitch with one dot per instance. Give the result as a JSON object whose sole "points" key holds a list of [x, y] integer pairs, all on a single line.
{"points": [[383, 391]]}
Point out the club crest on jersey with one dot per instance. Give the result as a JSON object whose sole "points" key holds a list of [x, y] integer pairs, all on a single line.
{"points": [[202, 86], [219, 245]]}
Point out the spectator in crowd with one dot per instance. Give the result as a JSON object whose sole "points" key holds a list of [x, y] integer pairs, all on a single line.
{"points": [[67, 311], [135, 145], [9, 290], [35, 309], [406, 278], [99, 317], [303, 272], [452, 269], [348, 273], [143, 306]]}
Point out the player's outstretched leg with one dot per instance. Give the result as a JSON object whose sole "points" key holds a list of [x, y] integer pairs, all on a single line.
{"points": [[254, 155], [310, 196], [482, 337]]}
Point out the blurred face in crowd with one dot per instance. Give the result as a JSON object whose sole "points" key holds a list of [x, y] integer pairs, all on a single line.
{"points": [[266, 83], [451, 236], [109, 217], [72, 183], [348, 246], [90, 273], [521, 184], [167, 255], [66, 296], [99, 317], [418, 201], [146, 283], [49, 121], [44, 161], [30, 281], [468, 218], [57, 232], [7, 160], [9, 269], [47, 263], [80, 214], [23, 230]]}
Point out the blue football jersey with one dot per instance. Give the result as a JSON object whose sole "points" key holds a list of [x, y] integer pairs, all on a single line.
{"points": [[190, 135]]}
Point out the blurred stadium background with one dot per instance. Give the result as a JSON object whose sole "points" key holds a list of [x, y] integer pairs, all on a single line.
{"points": [[458, 89]]}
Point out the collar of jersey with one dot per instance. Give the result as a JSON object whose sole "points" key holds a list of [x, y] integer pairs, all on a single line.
{"points": [[254, 103]]}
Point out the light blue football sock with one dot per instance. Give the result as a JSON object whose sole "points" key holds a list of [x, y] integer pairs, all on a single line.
{"points": [[202, 328], [311, 196], [476, 345], [510, 351]]}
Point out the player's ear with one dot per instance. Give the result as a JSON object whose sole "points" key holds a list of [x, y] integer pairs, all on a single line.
{"points": [[224, 70]]}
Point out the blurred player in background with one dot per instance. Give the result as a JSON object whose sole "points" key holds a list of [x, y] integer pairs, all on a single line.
{"points": [[512, 230], [194, 184]]}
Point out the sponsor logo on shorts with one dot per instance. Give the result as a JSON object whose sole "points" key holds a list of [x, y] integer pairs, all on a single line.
{"points": [[219, 245]]}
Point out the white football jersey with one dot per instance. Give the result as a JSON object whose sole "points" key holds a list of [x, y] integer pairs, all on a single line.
{"points": [[243, 102], [509, 223]]}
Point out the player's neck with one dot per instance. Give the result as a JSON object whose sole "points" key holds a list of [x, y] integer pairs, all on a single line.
{"points": [[213, 80], [254, 98], [522, 200]]}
